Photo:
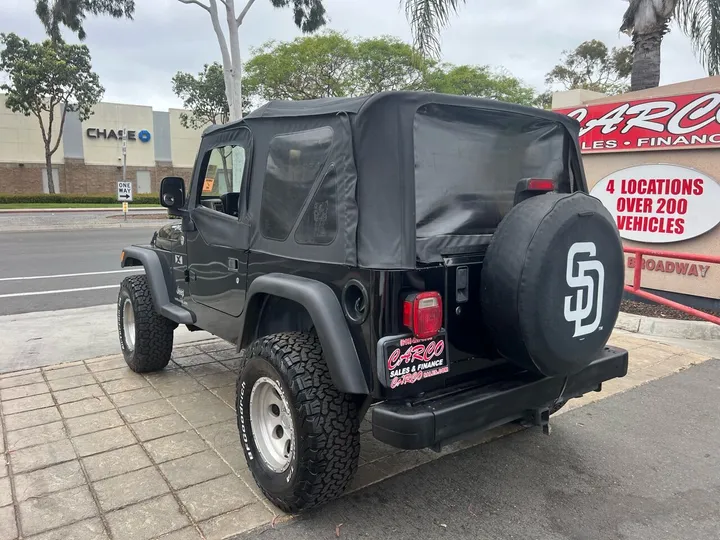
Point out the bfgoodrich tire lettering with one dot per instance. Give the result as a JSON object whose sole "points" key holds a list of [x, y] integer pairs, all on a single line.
{"points": [[325, 422], [152, 345]]}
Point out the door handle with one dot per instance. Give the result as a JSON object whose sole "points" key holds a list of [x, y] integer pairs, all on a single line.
{"points": [[462, 293], [233, 264]]}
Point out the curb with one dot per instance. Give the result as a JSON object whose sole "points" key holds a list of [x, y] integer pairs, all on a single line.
{"points": [[672, 328], [61, 210]]}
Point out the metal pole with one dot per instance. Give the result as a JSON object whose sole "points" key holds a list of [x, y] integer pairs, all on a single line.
{"points": [[124, 156]]}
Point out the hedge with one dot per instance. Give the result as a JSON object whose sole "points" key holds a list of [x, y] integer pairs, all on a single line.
{"points": [[6, 198]]}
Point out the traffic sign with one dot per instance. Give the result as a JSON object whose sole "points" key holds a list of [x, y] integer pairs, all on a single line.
{"points": [[124, 192]]}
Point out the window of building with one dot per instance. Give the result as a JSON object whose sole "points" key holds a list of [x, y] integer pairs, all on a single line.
{"points": [[294, 164]]}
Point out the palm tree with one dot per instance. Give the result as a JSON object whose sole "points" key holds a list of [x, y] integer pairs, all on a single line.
{"points": [[427, 18], [647, 21]]}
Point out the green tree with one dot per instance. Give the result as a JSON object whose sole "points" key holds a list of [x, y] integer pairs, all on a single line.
{"points": [[55, 14], [332, 65], [47, 77], [204, 95], [647, 21], [308, 16], [427, 18], [593, 66], [387, 63], [304, 68], [480, 81], [544, 100]]}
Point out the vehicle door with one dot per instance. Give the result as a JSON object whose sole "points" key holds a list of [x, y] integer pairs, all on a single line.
{"points": [[216, 238]]}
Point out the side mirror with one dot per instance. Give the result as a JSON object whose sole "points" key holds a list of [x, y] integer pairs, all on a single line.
{"points": [[172, 192]]}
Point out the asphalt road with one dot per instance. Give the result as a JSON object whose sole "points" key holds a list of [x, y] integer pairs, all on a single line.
{"points": [[34, 267], [643, 465]]}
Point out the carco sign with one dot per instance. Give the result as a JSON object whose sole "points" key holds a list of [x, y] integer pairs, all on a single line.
{"points": [[676, 122], [660, 203]]}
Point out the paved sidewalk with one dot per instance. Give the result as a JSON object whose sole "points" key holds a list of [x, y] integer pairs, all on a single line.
{"points": [[43, 338], [98, 209], [94, 451], [99, 219]]}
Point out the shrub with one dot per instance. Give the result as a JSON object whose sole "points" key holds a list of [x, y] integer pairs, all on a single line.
{"points": [[6, 198]]}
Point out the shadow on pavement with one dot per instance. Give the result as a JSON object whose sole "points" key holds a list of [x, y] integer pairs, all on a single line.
{"points": [[639, 465]]}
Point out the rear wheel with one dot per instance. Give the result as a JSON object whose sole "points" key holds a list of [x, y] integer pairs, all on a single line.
{"points": [[299, 433], [146, 338]]}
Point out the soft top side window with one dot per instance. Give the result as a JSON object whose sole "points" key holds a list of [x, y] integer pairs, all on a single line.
{"points": [[294, 165], [222, 179]]}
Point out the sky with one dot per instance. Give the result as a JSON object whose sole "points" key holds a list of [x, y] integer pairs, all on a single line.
{"points": [[137, 59]]}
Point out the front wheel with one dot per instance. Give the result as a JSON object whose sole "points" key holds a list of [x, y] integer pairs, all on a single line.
{"points": [[300, 435], [146, 337]]}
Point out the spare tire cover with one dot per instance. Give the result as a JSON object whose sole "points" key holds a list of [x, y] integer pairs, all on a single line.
{"points": [[552, 282]]}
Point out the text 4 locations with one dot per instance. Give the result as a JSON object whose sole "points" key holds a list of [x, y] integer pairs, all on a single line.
{"points": [[660, 203]]}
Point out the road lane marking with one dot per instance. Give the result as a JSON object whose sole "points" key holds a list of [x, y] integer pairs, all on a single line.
{"points": [[24, 278], [59, 291]]}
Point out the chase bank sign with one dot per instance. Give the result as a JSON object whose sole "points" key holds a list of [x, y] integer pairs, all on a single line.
{"points": [[96, 133]]}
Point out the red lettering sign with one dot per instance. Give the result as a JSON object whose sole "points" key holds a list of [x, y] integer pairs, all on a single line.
{"points": [[416, 353], [660, 203], [688, 121], [682, 268]]}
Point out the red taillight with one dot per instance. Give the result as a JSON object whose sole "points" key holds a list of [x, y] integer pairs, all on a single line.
{"points": [[537, 184], [422, 313]]}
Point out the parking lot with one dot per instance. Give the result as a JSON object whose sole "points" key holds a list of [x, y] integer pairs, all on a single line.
{"points": [[93, 450]]}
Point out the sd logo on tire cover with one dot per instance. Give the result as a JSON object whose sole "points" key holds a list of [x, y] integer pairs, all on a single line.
{"points": [[552, 282]]}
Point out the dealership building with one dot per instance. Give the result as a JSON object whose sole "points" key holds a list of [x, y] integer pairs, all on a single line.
{"points": [[653, 158], [89, 158]]}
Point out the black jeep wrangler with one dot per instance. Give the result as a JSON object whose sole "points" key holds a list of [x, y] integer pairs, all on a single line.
{"points": [[434, 259]]}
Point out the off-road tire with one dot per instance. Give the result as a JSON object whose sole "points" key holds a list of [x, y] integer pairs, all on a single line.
{"points": [[153, 332], [326, 425]]}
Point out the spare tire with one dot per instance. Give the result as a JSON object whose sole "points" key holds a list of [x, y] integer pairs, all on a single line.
{"points": [[552, 282]]}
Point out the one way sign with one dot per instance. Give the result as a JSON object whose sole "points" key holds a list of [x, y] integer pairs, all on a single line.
{"points": [[124, 193]]}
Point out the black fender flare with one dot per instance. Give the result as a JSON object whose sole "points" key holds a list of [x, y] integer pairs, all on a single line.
{"points": [[327, 316], [150, 260]]}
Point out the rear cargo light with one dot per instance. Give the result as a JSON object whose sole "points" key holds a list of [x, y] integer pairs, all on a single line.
{"points": [[538, 184], [422, 313]]}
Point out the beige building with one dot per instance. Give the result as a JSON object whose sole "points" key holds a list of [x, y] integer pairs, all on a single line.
{"points": [[653, 158], [89, 158]]}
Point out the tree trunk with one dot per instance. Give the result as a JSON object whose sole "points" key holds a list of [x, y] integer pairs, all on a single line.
{"points": [[236, 64], [234, 95], [49, 167], [646, 60]]}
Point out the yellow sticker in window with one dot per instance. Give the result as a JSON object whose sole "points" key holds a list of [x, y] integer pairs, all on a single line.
{"points": [[208, 184]]}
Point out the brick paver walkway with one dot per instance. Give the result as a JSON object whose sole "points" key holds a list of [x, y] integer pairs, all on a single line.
{"points": [[94, 451]]}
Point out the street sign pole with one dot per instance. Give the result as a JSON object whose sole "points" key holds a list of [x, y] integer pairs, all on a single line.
{"points": [[124, 166], [124, 187]]}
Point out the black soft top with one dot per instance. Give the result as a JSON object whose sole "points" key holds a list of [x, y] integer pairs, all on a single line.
{"points": [[390, 101], [415, 175]]}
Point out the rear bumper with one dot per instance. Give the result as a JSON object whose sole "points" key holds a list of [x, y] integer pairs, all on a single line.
{"points": [[429, 422]]}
